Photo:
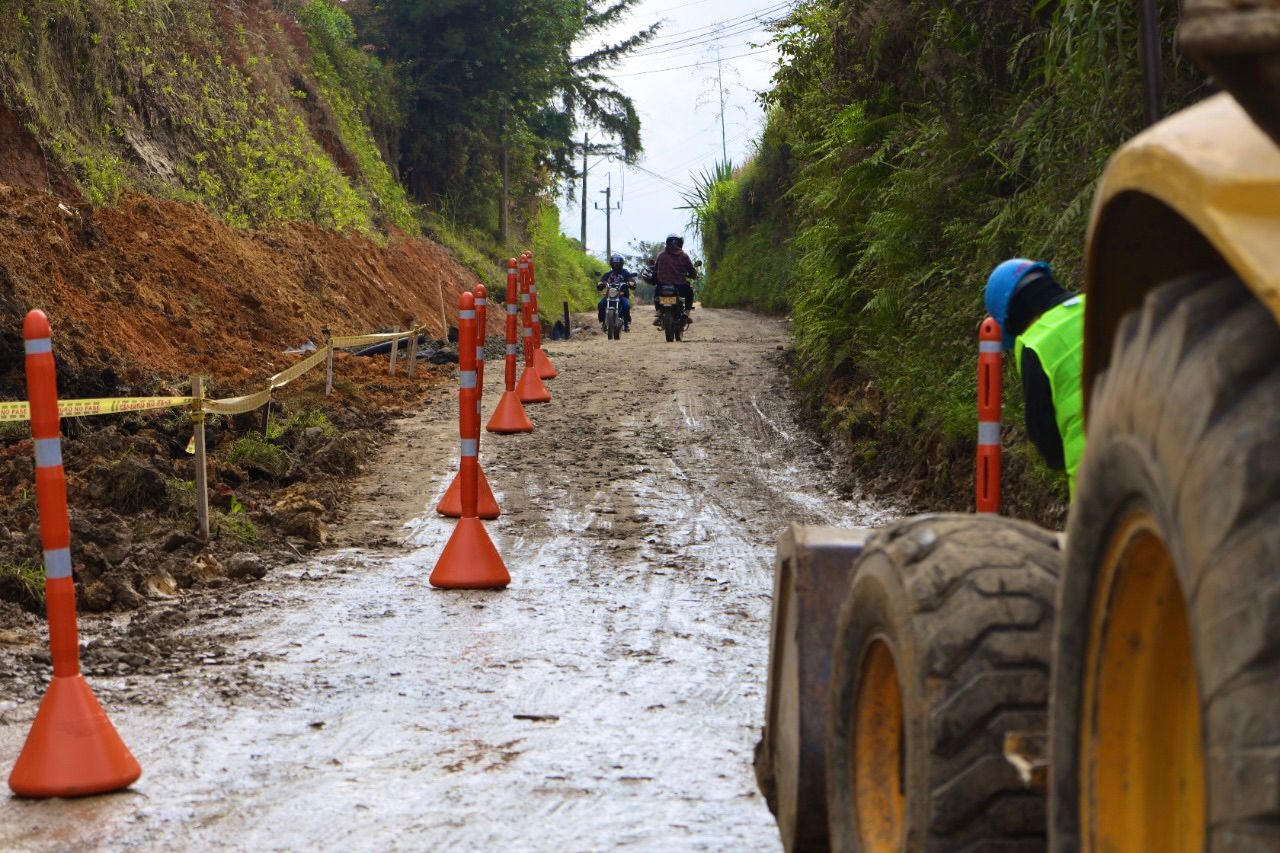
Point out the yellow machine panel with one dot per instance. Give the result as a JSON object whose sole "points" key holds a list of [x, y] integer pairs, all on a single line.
{"points": [[1198, 191]]}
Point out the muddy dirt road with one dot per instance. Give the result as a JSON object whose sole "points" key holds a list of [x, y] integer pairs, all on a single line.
{"points": [[609, 698]]}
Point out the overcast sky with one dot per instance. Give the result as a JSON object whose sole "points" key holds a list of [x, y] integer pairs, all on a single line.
{"points": [[673, 83]]}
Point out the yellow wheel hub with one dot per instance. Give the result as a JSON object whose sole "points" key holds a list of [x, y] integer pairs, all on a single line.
{"points": [[879, 802], [1141, 750]]}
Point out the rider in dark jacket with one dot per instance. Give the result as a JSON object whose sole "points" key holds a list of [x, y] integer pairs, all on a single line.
{"points": [[625, 279], [674, 268]]}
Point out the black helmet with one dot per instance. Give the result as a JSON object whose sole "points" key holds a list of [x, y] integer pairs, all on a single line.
{"points": [[615, 261], [675, 238]]}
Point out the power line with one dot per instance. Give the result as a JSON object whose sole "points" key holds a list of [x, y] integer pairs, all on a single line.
{"points": [[699, 36], [691, 65], [707, 29]]}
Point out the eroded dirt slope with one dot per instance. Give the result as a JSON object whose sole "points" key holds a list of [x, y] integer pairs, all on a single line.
{"points": [[610, 697], [153, 291]]}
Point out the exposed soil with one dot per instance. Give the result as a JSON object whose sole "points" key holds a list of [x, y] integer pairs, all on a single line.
{"points": [[922, 469], [146, 294], [153, 291], [611, 696]]}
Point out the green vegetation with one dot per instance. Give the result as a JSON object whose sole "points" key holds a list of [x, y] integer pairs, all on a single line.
{"points": [[368, 115], [565, 273], [300, 421], [179, 499], [358, 89], [177, 98], [910, 147], [23, 582], [235, 524], [255, 451]]}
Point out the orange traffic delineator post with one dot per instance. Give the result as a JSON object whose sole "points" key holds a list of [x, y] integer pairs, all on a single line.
{"points": [[509, 417], [469, 560], [72, 748], [530, 388], [990, 388], [546, 370], [450, 505]]}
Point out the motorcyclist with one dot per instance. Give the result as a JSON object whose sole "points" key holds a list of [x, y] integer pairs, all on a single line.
{"points": [[674, 268], [624, 279]]}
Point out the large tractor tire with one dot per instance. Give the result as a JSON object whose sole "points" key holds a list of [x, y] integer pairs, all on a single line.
{"points": [[1166, 684], [942, 648], [812, 572]]}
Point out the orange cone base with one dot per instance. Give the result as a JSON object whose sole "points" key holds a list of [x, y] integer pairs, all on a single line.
{"points": [[450, 505], [72, 749], [470, 560], [530, 388], [509, 417], [546, 370]]}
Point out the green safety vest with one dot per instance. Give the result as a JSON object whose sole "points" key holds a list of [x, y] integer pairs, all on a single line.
{"points": [[1057, 339]]}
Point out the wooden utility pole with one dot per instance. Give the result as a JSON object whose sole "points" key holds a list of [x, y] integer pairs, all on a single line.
{"points": [[608, 209], [585, 140]]}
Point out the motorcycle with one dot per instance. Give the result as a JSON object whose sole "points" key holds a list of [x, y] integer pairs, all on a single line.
{"points": [[673, 317], [613, 295], [671, 314]]}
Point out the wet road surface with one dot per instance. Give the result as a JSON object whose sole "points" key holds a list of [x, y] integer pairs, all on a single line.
{"points": [[611, 697]]}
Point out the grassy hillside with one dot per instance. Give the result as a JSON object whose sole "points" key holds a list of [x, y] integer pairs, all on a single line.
{"points": [[264, 113], [910, 147]]}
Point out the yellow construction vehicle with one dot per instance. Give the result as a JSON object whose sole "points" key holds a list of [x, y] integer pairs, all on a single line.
{"points": [[1143, 647]]}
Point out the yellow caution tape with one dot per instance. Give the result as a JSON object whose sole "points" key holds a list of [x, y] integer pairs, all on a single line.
{"points": [[363, 340], [284, 377], [238, 405], [20, 410]]}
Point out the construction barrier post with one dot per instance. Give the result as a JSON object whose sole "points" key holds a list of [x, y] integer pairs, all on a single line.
{"points": [[266, 416], [546, 370], [328, 362], [413, 348], [990, 388], [509, 416], [202, 461], [469, 559], [568, 324], [451, 505], [482, 318], [530, 389], [395, 350], [72, 748]]}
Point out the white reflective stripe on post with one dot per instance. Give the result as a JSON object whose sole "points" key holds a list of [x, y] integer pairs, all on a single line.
{"points": [[524, 297], [470, 447], [466, 315], [988, 432], [467, 379], [479, 353], [39, 346], [48, 452], [57, 563], [480, 300], [528, 331], [512, 349], [989, 346], [512, 308]]}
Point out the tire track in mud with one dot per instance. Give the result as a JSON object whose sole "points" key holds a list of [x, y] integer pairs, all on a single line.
{"points": [[611, 697]]}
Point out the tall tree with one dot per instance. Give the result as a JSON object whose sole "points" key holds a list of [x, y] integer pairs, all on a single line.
{"points": [[481, 79]]}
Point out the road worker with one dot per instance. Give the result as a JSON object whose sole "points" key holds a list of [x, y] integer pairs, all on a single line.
{"points": [[1044, 324]]}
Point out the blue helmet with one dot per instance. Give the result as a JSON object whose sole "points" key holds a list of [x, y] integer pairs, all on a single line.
{"points": [[1003, 283]]}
